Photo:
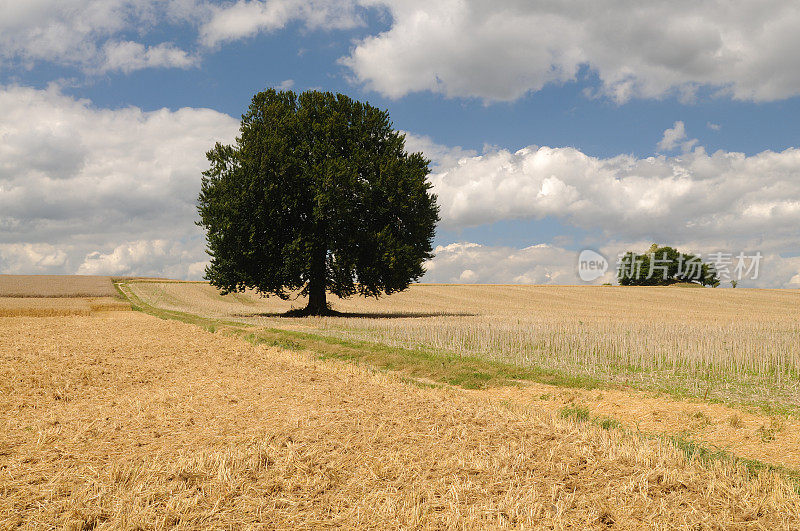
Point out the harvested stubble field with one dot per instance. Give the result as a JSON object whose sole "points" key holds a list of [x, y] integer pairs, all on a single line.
{"points": [[51, 307], [53, 295], [738, 346], [733, 353], [123, 420], [40, 286]]}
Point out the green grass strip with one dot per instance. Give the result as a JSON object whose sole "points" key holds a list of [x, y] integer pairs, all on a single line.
{"points": [[691, 449]]}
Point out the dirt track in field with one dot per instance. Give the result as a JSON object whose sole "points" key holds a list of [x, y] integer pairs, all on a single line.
{"points": [[122, 420]]}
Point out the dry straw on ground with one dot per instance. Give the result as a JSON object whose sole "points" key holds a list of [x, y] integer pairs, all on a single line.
{"points": [[744, 434], [121, 420]]}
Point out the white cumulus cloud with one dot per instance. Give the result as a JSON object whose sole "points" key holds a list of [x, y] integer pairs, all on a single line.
{"points": [[468, 263], [500, 50], [674, 137], [246, 18], [32, 258], [76, 182], [440, 156], [721, 194], [85, 33], [701, 202], [128, 56], [496, 50], [162, 258]]}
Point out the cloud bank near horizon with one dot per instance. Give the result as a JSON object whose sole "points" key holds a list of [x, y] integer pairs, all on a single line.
{"points": [[102, 191], [88, 190]]}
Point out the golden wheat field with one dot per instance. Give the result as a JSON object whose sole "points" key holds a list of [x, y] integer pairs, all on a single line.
{"points": [[38, 286], [54, 295], [243, 419]]}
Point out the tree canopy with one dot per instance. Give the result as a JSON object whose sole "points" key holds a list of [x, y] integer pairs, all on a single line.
{"points": [[663, 266], [318, 195]]}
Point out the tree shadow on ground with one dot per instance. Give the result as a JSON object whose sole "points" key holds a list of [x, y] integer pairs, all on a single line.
{"points": [[365, 315]]}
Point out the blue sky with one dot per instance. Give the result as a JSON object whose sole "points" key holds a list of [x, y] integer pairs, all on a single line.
{"points": [[546, 125]]}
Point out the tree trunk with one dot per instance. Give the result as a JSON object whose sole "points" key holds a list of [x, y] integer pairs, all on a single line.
{"points": [[317, 303], [317, 297]]}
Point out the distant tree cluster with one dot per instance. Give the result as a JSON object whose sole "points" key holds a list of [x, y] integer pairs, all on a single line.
{"points": [[663, 266]]}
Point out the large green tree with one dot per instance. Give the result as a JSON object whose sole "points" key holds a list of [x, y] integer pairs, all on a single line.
{"points": [[318, 195]]}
